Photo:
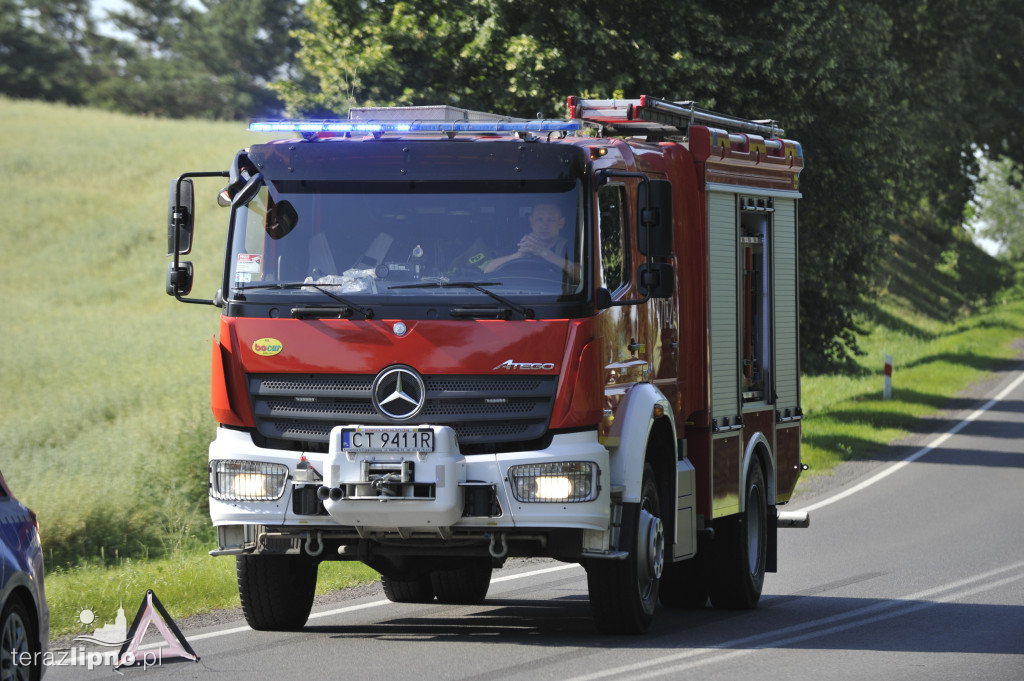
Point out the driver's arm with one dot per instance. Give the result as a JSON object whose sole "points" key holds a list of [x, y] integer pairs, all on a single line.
{"points": [[498, 262], [559, 260]]}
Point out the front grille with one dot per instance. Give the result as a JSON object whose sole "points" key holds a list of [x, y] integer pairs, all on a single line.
{"points": [[297, 411]]}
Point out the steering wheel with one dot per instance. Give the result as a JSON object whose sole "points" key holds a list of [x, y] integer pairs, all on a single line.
{"points": [[530, 267]]}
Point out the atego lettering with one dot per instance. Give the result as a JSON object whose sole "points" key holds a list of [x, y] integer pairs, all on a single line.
{"points": [[512, 365]]}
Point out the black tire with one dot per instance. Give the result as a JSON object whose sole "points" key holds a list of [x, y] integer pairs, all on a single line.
{"points": [[418, 590], [463, 585], [276, 590], [740, 551], [18, 643], [624, 593], [684, 585]]}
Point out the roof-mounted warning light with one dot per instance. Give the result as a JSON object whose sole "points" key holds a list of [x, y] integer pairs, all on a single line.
{"points": [[325, 128]]}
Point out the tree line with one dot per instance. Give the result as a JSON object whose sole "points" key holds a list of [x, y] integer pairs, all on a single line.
{"points": [[171, 58], [894, 102]]}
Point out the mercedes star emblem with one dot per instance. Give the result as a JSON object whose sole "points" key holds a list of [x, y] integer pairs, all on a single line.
{"points": [[399, 393]]}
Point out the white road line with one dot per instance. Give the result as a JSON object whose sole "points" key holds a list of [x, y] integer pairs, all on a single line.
{"points": [[934, 444], [821, 627], [371, 604]]}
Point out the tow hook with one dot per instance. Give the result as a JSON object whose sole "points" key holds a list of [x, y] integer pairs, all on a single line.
{"points": [[319, 544], [495, 553]]}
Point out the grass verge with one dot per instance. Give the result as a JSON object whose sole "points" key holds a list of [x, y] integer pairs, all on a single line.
{"points": [[187, 582], [845, 416]]}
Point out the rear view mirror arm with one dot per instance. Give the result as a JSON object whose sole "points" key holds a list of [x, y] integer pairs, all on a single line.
{"points": [[181, 218]]}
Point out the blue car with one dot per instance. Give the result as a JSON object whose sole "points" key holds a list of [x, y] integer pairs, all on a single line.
{"points": [[24, 615]]}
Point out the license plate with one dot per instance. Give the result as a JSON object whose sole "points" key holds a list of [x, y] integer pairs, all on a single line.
{"points": [[375, 440]]}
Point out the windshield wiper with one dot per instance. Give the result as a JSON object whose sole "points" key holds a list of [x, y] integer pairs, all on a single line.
{"points": [[309, 310], [477, 286]]}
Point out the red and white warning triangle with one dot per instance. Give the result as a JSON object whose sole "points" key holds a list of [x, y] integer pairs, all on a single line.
{"points": [[152, 610]]}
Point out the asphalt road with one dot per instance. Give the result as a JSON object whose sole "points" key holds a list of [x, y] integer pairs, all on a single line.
{"points": [[913, 568]]}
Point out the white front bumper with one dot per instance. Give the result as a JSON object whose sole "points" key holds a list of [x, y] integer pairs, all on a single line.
{"points": [[446, 469]]}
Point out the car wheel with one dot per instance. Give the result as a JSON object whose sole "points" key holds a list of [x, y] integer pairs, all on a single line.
{"points": [[18, 645], [276, 590], [624, 593]]}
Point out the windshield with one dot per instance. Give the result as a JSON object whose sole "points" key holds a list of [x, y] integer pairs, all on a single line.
{"points": [[375, 245]]}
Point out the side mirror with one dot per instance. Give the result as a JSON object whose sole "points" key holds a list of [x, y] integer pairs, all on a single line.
{"points": [[654, 217], [179, 279], [249, 190], [180, 217], [281, 219]]}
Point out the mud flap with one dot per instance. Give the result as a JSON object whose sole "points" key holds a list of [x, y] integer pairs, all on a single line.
{"points": [[771, 558]]}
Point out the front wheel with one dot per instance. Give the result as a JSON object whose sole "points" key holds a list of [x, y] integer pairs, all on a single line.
{"points": [[740, 552], [19, 653], [624, 593], [276, 590]]}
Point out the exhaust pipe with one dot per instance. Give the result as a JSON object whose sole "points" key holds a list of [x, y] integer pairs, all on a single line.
{"points": [[323, 493]]}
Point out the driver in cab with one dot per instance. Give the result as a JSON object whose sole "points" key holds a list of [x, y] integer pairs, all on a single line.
{"points": [[544, 241]]}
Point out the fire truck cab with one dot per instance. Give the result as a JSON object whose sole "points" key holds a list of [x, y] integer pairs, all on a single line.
{"points": [[449, 338]]}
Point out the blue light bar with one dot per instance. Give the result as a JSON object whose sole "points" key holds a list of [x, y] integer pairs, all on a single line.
{"points": [[343, 126]]}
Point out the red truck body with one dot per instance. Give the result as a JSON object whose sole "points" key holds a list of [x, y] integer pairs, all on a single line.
{"points": [[632, 404]]}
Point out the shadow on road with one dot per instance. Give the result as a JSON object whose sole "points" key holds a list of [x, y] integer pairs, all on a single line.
{"points": [[781, 622]]}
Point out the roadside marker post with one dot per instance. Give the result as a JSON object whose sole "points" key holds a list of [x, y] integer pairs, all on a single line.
{"points": [[887, 391]]}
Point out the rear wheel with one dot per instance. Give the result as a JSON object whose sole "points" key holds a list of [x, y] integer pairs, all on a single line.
{"points": [[684, 585], [466, 584], [740, 551], [417, 590], [624, 593], [276, 590]]}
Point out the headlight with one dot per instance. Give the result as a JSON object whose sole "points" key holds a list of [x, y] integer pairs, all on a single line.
{"points": [[565, 481], [232, 480]]}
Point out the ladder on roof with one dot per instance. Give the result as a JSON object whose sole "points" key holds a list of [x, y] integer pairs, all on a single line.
{"points": [[652, 116]]}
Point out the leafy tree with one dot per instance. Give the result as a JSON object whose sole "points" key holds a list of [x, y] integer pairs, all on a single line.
{"points": [[209, 61], [823, 71], [999, 207], [42, 44], [889, 99], [996, 81]]}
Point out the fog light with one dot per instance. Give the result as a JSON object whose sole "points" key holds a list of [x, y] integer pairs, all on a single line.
{"points": [[234, 480], [565, 481]]}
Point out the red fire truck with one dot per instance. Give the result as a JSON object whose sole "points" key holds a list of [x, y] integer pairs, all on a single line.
{"points": [[448, 338]]}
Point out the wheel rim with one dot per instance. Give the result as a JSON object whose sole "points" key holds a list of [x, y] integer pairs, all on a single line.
{"points": [[651, 547], [14, 643], [755, 528]]}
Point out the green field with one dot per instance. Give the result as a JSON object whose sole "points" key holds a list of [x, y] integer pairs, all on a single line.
{"points": [[106, 418], [104, 436]]}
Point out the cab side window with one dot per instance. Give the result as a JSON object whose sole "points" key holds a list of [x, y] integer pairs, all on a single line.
{"points": [[611, 207]]}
